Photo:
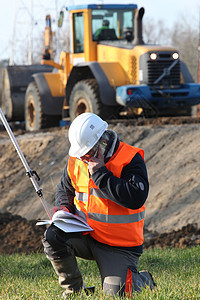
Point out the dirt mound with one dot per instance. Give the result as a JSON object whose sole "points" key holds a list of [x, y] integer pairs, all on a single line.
{"points": [[18, 235], [186, 236]]}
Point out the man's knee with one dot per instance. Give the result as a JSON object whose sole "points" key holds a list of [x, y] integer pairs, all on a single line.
{"points": [[54, 243], [112, 285]]}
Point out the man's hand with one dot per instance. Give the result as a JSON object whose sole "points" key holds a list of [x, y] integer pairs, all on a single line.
{"points": [[94, 163], [56, 208]]}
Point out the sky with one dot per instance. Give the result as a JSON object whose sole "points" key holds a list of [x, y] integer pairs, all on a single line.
{"points": [[12, 28]]}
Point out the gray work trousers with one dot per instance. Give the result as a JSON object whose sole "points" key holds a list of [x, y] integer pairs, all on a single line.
{"points": [[113, 262]]}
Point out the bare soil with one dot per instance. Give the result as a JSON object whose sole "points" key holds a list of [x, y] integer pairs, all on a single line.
{"points": [[172, 154]]}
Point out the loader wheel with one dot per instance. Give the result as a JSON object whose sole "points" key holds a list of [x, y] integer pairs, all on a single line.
{"points": [[85, 97], [35, 119]]}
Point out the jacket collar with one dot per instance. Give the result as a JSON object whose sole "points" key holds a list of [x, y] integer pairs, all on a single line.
{"points": [[113, 145]]}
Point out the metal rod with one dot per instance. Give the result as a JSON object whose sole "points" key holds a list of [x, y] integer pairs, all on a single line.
{"points": [[29, 172]]}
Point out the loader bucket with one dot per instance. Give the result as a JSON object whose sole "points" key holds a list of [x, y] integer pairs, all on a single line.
{"points": [[15, 80]]}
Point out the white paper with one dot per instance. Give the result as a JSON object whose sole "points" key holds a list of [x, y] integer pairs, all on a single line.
{"points": [[67, 222]]}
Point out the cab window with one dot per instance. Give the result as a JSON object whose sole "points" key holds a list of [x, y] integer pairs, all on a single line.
{"points": [[78, 32], [118, 21]]}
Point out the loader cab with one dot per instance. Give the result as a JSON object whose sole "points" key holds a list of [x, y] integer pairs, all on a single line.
{"points": [[87, 20]]}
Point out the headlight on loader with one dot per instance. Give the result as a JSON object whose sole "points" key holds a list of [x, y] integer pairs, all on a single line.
{"points": [[175, 55], [153, 56]]}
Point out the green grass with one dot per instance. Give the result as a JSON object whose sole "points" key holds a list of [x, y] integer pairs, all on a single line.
{"points": [[176, 272]]}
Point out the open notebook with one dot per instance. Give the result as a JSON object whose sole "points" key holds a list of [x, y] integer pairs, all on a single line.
{"points": [[67, 222]]}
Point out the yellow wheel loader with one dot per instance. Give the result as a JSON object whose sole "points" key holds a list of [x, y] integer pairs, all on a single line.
{"points": [[107, 69]]}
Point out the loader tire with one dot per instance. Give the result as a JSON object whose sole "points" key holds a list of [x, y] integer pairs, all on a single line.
{"points": [[85, 97], [35, 119]]}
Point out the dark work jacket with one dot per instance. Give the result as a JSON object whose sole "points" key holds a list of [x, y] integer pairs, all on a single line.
{"points": [[131, 190]]}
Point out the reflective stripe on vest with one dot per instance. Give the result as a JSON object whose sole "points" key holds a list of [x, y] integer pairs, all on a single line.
{"points": [[117, 219], [97, 193], [81, 196]]}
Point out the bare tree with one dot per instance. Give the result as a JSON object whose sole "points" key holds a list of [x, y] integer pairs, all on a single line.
{"points": [[156, 32], [184, 36]]}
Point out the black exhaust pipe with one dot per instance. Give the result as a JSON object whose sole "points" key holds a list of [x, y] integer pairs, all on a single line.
{"points": [[138, 39]]}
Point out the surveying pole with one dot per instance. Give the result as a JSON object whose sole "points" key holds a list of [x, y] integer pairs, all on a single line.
{"points": [[198, 73], [31, 174]]}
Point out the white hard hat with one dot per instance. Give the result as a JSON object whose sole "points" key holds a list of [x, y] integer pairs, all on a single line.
{"points": [[84, 132]]}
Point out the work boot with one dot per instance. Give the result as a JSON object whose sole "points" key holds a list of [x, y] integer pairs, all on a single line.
{"points": [[143, 279], [147, 279], [70, 294], [69, 275]]}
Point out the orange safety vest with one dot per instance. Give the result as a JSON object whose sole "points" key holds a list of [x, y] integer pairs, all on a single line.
{"points": [[113, 224]]}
